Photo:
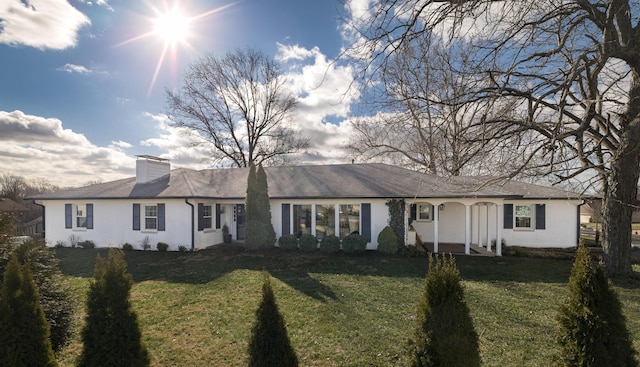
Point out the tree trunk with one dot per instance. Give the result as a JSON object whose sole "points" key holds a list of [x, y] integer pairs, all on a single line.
{"points": [[620, 196]]}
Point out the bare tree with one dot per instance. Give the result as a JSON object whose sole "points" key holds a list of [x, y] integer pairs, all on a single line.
{"points": [[572, 68], [239, 105], [430, 117]]}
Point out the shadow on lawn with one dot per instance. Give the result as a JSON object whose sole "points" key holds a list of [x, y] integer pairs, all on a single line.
{"points": [[296, 269]]}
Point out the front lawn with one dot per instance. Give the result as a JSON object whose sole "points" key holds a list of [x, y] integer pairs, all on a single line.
{"points": [[197, 309]]}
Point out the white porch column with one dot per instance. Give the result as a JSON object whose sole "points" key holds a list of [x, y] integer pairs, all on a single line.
{"points": [[436, 216], [478, 206], [498, 230], [467, 229], [488, 238]]}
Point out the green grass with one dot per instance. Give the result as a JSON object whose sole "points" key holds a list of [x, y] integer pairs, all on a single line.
{"points": [[197, 309]]}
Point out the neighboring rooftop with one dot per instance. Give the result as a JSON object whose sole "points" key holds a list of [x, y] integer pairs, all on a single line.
{"points": [[370, 180]]}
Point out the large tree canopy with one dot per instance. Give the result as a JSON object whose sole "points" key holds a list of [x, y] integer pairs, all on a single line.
{"points": [[238, 105], [571, 69]]}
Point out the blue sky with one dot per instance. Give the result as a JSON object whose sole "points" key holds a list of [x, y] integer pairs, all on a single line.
{"points": [[79, 94]]}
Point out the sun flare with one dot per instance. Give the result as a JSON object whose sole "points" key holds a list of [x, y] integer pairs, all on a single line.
{"points": [[172, 27]]}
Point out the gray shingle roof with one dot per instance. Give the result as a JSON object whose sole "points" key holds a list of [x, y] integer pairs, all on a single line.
{"points": [[373, 180]]}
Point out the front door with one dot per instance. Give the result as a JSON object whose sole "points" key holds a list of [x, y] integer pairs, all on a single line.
{"points": [[240, 230]]}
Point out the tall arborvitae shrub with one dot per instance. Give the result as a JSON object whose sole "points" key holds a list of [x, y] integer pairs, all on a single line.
{"points": [[259, 230], [264, 207], [592, 329], [445, 335], [269, 345], [387, 241], [24, 331], [111, 335]]}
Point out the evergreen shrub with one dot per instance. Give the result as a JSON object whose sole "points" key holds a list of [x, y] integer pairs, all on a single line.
{"points": [[24, 331], [127, 247], [445, 335], [162, 247], [354, 244], [330, 244], [111, 335], [387, 241], [288, 242], [308, 243], [55, 295], [592, 330], [182, 248]]}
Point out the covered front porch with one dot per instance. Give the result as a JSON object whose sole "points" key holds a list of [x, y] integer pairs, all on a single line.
{"points": [[445, 223]]}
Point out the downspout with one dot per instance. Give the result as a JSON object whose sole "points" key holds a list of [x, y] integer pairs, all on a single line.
{"points": [[193, 240], [44, 222], [578, 220]]}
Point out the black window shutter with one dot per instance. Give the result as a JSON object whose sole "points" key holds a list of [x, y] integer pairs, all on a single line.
{"points": [[412, 213], [217, 216], [366, 221], [161, 222], [136, 217], [508, 216], [68, 219], [89, 216], [200, 216], [540, 216], [286, 219]]}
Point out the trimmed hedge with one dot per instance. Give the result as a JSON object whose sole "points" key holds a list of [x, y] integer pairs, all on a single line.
{"points": [[354, 244], [387, 241], [330, 244], [308, 243], [87, 244], [288, 242], [162, 247]]}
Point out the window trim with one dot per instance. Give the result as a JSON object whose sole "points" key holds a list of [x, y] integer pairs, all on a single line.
{"points": [[419, 212], [531, 217], [145, 217], [209, 217]]}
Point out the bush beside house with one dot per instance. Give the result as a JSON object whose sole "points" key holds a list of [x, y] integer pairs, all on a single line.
{"points": [[288, 242], [387, 241], [330, 244], [308, 243], [354, 244]]}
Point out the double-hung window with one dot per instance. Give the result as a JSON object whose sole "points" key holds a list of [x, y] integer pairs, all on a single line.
{"points": [[78, 216], [150, 217], [424, 211], [523, 216], [81, 216], [206, 216]]}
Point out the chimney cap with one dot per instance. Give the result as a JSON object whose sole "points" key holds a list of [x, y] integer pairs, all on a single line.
{"points": [[153, 158]]}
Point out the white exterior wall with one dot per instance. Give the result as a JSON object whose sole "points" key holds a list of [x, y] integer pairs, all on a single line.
{"points": [[561, 223], [113, 224], [379, 214]]}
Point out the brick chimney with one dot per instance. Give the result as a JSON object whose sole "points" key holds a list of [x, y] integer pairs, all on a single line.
{"points": [[149, 168]]}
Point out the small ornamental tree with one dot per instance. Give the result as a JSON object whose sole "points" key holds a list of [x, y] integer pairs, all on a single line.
{"points": [[387, 241], [24, 331], [269, 345], [111, 335], [445, 335], [592, 329]]}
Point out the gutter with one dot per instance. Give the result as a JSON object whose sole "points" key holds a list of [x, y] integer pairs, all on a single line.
{"points": [[193, 240]]}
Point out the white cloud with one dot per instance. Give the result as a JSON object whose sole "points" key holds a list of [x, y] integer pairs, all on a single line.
{"points": [[43, 24], [327, 91], [34, 146], [72, 68], [178, 143]]}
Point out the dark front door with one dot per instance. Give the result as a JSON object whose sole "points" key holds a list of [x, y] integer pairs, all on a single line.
{"points": [[240, 231]]}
